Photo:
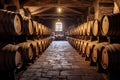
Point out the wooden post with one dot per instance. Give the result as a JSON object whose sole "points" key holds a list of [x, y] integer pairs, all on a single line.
{"points": [[103, 7]]}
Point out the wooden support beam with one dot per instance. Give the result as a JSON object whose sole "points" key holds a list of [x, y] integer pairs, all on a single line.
{"points": [[72, 10], [111, 4], [59, 5], [58, 15], [51, 18], [39, 11]]}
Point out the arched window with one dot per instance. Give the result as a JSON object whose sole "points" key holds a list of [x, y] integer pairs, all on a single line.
{"points": [[58, 26]]}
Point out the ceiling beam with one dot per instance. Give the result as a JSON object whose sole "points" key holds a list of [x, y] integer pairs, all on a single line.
{"points": [[40, 11], [59, 5], [36, 9], [57, 15], [47, 18], [72, 10]]}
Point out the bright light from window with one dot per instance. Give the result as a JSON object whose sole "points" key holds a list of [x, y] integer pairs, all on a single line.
{"points": [[58, 26]]}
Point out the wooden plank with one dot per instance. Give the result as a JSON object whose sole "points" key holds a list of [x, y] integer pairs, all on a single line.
{"points": [[58, 15], [39, 11], [72, 10], [59, 5], [50, 18]]}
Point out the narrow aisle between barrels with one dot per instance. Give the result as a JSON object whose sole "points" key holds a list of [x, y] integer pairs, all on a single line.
{"points": [[61, 62]]}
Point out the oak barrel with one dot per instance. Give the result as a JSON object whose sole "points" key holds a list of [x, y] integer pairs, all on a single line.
{"points": [[27, 51], [28, 28], [10, 23], [110, 25], [36, 28], [111, 58], [89, 28], [11, 57], [96, 30]]}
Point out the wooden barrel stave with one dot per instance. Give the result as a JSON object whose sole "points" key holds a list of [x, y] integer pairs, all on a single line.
{"points": [[96, 30], [110, 25], [14, 22], [89, 28], [27, 51], [110, 58], [12, 57]]}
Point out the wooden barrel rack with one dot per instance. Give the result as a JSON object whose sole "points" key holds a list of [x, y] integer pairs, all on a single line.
{"points": [[22, 41]]}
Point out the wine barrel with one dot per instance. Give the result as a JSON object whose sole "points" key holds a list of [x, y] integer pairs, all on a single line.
{"points": [[43, 45], [11, 57], [40, 29], [48, 42], [85, 44], [43, 30], [28, 28], [78, 45], [96, 55], [111, 57], [97, 51], [10, 23], [89, 28], [36, 28], [36, 48], [81, 29], [85, 29], [24, 12], [110, 25], [75, 44], [89, 49], [40, 46], [27, 50], [81, 45], [96, 30]]}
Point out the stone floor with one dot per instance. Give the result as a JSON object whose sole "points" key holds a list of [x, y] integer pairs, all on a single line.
{"points": [[61, 62]]}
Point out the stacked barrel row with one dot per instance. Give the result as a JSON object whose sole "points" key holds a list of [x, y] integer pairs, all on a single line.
{"points": [[12, 23], [93, 39], [18, 55]]}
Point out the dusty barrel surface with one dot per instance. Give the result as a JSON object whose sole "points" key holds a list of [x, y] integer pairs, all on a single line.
{"points": [[111, 58], [40, 29], [96, 54], [96, 30], [36, 27], [81, 45], [36, 48], [40, 45], [14, 20], [11, 57], [85, 44], [89, 49], [110, 25], [78, 45], [85, 29], [89, 28], [81, 29], [43, 45], [28, 28], [27, 51]]}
